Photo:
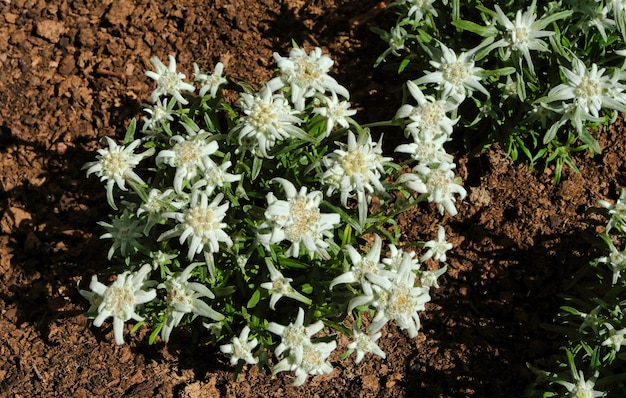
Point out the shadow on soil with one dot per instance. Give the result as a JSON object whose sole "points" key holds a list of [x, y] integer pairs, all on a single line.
{"points": [[492, 326]]}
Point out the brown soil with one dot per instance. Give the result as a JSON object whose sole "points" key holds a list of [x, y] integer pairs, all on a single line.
{"points": [[72, 73]]}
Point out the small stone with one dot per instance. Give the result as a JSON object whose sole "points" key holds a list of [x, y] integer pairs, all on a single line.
{"points": [[50, 30], [67, 65], [10, 18], [60, 148]]}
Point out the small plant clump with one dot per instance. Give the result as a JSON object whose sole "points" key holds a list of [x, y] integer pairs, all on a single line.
{"points": [[537, 79], [593, 322], [255, 223]]}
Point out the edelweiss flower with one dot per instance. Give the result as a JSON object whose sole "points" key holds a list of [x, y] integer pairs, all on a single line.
{"points": [[314, 362], [429, 278], [437, 248], [396, 39], [210, 82], [306, 74], [240, 348], [617, 211], [365, 344], [356, 166], [305, 357], [160, 258], [268, 119], [215, 176], [298, 220], [168, 80], [616, 337], [189, 156], [525, 33], [200, 225], [419, 8], [160, 113], [589, 90], [397, 257], [583, 388], [590, 320], [426, 148], [364, 271], [294, 336], [400, 300], [438, 182], [115, 165], [570, 112], [430, 114], [619, 12], [120, 299], [456, 75], [616, 261], [183, 297], [600, 21], [335, 112], [279, 287]]}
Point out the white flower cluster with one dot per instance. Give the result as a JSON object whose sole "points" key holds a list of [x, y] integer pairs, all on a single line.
{"points": [[298, 220], [115, 165], [355, 170], [306, 75], [395, 287], [120, 299], [430, 127], [191, 202], [198, 229], [616, 259], [299, 353], [583, 95]]}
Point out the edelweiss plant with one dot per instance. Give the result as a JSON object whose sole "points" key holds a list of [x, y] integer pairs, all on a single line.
{"points": [[594, 322], [535, 78], [251, 222]]}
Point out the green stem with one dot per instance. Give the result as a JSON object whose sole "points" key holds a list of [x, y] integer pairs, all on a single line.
{"points": [[386, 123]]}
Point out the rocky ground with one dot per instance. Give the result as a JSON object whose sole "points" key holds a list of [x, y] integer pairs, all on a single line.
{"points": [[72, 72]]}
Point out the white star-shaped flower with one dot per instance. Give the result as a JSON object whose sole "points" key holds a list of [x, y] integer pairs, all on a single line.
{"points": [[120, 299], [456, 75], [169, 81], [116, 165]]}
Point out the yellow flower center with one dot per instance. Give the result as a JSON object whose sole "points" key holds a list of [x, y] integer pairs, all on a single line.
{"points": [[588, 88], [455, 73], [354, 163], [202, 220]]}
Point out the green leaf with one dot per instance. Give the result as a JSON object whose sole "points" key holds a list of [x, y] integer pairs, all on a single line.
{"points": [[508, 70], [136, 327], [307, 288], [551, 133], [588, 139], [344, 216], [223, 291], [130, 132], [256, 296], [291, 263], [545, 21], [484, 31], [487, 11], [403, 64], [256, 167], [155, 333]]}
